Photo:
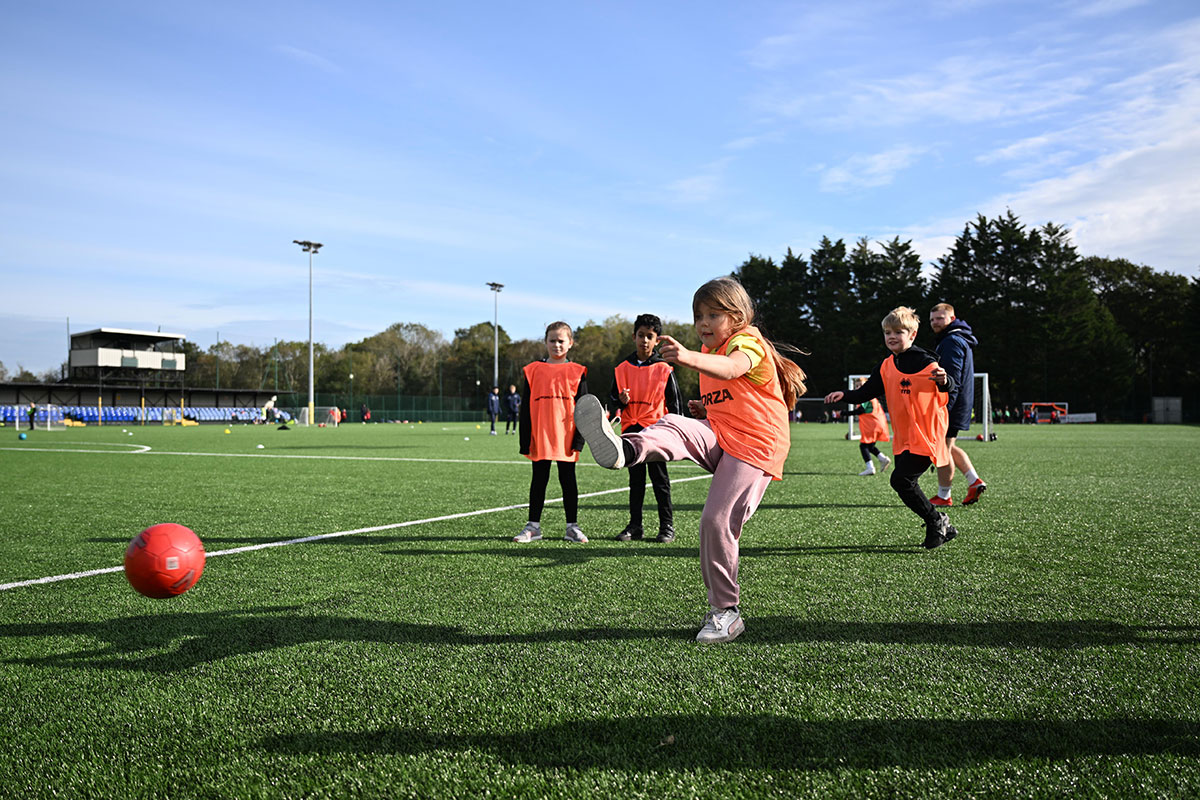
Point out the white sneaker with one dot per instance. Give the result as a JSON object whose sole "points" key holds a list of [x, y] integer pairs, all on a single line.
{"points": [[532, 532], [574, 534], [596, 430], [884, 463], [493, 433], [870, 470], [721, 625]]}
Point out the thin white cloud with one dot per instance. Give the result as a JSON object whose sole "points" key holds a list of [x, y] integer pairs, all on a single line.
{"points": [[868, 171], [696, 189], [1104, 8], [311, 59], [750, 142], [703, 187], [816, 23]]}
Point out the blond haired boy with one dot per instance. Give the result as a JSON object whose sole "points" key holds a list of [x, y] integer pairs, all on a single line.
{"points": [[916, 389]]}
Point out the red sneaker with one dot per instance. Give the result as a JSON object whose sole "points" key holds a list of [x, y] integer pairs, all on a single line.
{"points": [[937, 501], [973, 492]]}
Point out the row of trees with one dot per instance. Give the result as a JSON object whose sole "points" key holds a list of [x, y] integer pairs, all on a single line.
{"points": [[411, 359], [1103, 334]]}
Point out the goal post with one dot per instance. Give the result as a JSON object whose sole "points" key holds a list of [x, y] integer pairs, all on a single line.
{"points": [[981, 412], [852, 420]]}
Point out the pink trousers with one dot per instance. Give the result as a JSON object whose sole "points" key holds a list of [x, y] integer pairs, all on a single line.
{"points": [[736, 490]]}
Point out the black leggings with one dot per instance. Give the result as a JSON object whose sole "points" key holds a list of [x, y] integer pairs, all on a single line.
{"points": [[867, 448], [566, 479], [906, 471]]}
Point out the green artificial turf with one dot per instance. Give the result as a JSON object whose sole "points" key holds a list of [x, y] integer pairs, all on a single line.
{"points": [[1052, 649]]}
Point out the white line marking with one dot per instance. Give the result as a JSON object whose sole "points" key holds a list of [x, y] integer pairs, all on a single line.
{"points": [[150, 451], [337, 534], [141, 448]]}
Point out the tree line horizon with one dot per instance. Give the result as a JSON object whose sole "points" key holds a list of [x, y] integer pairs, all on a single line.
{"points": [[1104, 334]]}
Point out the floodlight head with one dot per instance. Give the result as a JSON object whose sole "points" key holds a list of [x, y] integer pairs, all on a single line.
{"points": [[496, 287], [309, 247]]}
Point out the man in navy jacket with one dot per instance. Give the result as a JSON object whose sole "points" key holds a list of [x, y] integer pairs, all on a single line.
{"points": [[955, 345]]}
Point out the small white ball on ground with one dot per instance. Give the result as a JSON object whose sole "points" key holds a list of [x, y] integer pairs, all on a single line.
{"points": [[466, 438], [260, 447]]}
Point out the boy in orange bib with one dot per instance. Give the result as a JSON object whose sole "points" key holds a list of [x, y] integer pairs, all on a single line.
{"points": [[644, 391], [741, 434], [917, 392]]}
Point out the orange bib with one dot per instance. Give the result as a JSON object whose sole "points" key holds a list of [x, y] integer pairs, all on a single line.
{"points": [[750, 421], [552, 390], [647, 392], [873, 425], [918, 409]]}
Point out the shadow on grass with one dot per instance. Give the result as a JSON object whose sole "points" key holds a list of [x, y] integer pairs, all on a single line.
{"points": [[602, 548], [602, 545], [649, 506], [167, 643], [770, 742]]}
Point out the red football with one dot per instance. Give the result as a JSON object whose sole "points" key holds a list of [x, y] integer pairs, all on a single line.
{"points": [[164, 560]]}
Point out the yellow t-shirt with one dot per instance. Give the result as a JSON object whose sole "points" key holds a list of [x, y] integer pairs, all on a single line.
{"points": [[747, 344]]}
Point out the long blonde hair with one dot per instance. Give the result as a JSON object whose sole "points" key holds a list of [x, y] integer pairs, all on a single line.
{"points": [[728, 295]]}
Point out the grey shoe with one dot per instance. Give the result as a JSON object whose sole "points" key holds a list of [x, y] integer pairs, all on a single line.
{"points": [[574, 534], [596, 430], [532, 532]]}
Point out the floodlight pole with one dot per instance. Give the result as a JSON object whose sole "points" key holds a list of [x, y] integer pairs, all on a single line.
{"points": [[496, 287], [310, 248]]}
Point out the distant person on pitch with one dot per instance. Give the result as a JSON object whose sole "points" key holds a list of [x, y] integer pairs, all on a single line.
{"points": [[917, 392], [512, 409], [644, 391], [872, 428], [493, 406], [955, 345]]}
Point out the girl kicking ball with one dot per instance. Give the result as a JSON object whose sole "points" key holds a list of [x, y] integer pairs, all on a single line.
{"points": [[740, 434]]}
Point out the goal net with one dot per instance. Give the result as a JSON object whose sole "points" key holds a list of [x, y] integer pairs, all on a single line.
{"points": [[329, 416], [47, 418], [981, 411], [1045, 411]]}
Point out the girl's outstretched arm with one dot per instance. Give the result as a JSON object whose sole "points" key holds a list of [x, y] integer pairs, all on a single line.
{"points": [[723, 368]]}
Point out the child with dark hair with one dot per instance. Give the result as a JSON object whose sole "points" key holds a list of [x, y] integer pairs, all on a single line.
{"points": [[644, 390]]}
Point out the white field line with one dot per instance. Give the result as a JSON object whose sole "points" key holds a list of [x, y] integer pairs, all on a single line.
{"points": [[144, 450], [336, 534]]}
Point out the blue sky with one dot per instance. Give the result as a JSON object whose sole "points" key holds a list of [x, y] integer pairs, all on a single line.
{"points": [[158, 158]]}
